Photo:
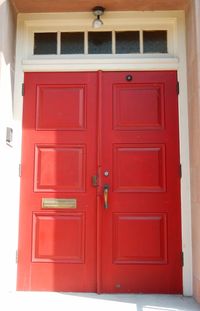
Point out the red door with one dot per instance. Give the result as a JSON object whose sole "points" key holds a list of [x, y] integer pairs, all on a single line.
{"points": [[141, 238], [123, 235], [57, 248]]}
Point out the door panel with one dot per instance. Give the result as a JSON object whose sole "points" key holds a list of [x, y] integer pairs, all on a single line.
{"points": [[130, 102], [57, 248], [51, 164], [139, 167], [87, 138], [150, 246], [141, 244], [44, 236], [54, 114]]}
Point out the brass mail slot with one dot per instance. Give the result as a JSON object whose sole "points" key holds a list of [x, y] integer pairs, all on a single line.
{"points": [[59, 203]]}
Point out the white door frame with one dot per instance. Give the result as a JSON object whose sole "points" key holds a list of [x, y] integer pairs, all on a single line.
{"points": [[173, 21]]}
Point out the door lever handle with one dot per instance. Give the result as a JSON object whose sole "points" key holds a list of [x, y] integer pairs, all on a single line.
{"points": [[105, 194]]}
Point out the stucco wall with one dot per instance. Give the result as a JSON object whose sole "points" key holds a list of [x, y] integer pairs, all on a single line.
{"points": [[193, 56], [7, 156]]}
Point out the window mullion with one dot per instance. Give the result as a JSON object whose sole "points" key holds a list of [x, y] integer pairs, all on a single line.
{"points": [[86, 42]]}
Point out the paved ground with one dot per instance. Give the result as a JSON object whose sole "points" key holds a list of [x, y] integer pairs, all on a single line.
{"points": [[44, 301]]}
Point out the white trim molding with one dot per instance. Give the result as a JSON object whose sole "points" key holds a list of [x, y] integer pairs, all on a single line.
{"points": [[86, 64], [175, 59]]}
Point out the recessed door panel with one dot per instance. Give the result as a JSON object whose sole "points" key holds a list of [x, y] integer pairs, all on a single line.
{"points": [[60, 168], [49, 238], [147, 233], [60, 107], [129, 104], [139, 168]]}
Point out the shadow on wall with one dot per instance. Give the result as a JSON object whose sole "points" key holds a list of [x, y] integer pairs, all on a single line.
{"points": [[8, 18], [8, 158], [7, 50]]}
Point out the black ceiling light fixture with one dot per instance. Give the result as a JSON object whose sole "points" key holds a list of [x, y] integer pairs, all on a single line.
{"points": [[98, 11]]}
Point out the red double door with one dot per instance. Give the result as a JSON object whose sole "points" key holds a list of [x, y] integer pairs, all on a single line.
{"points": [[100, 185]]}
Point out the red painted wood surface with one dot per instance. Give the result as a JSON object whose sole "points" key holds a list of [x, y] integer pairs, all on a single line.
{"points": [[76, 125], [57, 248], [141, 230]]}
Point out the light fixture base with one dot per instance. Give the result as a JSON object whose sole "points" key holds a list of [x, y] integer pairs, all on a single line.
{"points": [[98, 10]]}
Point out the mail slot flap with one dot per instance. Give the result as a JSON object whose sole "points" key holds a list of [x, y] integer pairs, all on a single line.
{"points": [[59, 203]]}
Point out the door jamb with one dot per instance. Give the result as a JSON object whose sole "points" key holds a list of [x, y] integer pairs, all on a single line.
{"points": [[176, 62]]}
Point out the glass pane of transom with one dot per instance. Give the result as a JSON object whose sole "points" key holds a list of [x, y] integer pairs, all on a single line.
{"points": [[100, 42], [127, 42], [155, 41], [45, 43], [72, 43]]}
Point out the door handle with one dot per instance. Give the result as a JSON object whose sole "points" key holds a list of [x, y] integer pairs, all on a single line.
{"points": [[105, 195]]}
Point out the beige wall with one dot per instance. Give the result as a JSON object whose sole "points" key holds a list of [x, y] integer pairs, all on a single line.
{"points": [[7, 175], [193, 56]]}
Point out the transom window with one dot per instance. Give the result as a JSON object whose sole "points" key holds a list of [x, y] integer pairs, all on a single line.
{"points": [[101, 42]]}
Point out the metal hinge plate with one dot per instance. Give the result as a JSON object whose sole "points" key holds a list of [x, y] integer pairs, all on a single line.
{"points": [[180, 170], [20, 170], [182, 259], [177, 88], [22, 89]]}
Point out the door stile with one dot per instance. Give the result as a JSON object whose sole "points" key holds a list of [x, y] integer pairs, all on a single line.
{"points": [[99, 174]]}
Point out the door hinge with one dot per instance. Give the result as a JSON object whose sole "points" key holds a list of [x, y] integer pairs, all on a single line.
{"points": [[177, 88], [180, 170], [182, 258], [20, 170], [16, 256], [22, 89]]}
